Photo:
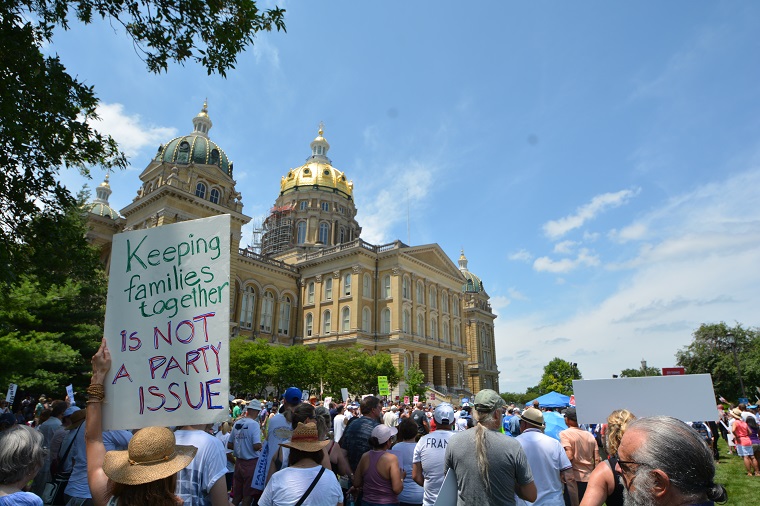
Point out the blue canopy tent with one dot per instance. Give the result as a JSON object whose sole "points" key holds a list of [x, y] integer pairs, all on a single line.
{"points": [[555, 423], [552, 400]]}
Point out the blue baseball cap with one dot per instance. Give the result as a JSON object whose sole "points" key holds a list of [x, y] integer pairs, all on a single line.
{"points": [[292, 396]]}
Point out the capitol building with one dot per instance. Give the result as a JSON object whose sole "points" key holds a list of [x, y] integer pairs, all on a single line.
{"points": [[312, 279]]}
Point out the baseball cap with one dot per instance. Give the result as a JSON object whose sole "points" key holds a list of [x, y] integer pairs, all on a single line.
{"points": [[254, 405], [533, 417], [571, 413], [444, 414], [7, 419], [70, 411], [292, 396], [383, 433], [488, 400]]}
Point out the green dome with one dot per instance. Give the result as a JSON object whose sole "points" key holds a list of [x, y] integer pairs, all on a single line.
{"points": [[473, 284], [194, 148], [101, 209]]}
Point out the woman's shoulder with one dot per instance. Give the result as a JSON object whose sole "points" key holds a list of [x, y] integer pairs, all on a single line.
{"points": [[20, 499]]}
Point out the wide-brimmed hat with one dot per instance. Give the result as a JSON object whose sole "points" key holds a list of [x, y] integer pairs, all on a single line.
{"points": [[152, 454], [736, 413], [533, 417], [76, 418], [306, 438]]}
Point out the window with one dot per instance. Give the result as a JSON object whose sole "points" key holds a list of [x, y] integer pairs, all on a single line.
{"points": [[301, 232], [455, 303], [457, 336], [246, 308], [407, 362], [328, 289], [303, 205], [310, 293], [326, 322], [342, 234], [283, 321], [434, 328], [421, 324], [446, 336], [420, 292], [184, 152], [445, 302], [387, 286], [309, 324], [214, 196], [366, 315], [325, 206], [405, 288], [346, 320], [405, 323], [347, 284], [214, 158], [433, 297], [200, 190], [386, 323], [482, 337], [267, 307], [366, 286], [324, 233]]}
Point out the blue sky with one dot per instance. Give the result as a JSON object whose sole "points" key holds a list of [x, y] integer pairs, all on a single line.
{"points": [[598, 162]]}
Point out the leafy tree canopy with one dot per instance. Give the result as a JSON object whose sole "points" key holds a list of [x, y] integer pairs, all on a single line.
{"points": [[558, 377], [638, 373], [415, 383], [45, 114]]}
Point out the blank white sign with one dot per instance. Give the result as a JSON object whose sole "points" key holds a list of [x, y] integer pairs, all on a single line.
{"points": [[689, 398]]}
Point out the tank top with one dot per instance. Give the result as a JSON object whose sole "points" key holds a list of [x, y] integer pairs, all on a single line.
{"points": [[616, 497], [334, 465], [376, 488]]}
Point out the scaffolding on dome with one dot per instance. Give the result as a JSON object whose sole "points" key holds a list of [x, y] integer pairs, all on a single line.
{"points": [[277, 230]]}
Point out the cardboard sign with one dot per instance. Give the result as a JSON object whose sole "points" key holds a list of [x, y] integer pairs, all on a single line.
{"points": [[416, 399], [344, 393], [448, 493], [406, 399], [167, 325], [382, 385], [11, 395], [70, 393], [689, 398]]}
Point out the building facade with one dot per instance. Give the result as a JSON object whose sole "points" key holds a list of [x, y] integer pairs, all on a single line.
{"points": [[314, 280]]}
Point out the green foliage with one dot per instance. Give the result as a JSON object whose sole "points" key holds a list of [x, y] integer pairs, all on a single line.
{"points": [[46, 113], [519, 399], [255, 365], [711, 352], [415, 383], [558, 377], [638, 373]]}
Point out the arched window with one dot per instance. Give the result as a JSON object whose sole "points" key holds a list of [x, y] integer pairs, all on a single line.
{"points": [[184, 152], [347, 284], [457, 336], [386, 322], [345, 320], [445, 302], [420, 292], [214, 196], [301, 232], [405, 321], [407, 362], [366, 286], [446, 336], [434, 328], [303, 205], [200, 190], [246, 308], [310, 293], [326, 323], [267, 308], [421, 324], [387, 286], [366, 316], [324, 233], [405, 288], [214, 158], [433, 297], [342, 234], [328, 289], [309, 324], [283, 321]]}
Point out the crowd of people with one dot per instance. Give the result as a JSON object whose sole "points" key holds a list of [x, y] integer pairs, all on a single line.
{"points": [[291, 451]]}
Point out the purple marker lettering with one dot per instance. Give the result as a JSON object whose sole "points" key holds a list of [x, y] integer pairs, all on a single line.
{"points": [[205, 323], [122, 373], [187, 397], [167, 337], [153, 366], [192, 331], [179, 399], [190, 358], [141, 395], [123, 340], [156, 392], [216, 352], [203, 349], [173, 364], [133, 337], [210, 394]]}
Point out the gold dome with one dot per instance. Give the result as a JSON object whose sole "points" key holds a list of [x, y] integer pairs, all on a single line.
{"points": [[317, 175]]}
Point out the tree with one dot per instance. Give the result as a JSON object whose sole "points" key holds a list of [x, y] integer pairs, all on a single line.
{"points": [[45, 113], [711, 352], [638, 373], [415, 382], [558, 377]]}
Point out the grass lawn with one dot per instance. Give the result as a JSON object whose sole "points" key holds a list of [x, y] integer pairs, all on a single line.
{"points": [[730, 472]]}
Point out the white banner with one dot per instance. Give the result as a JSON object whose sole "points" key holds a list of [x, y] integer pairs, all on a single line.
{"points": [[11, 395], [70, 393], [167, 325]]}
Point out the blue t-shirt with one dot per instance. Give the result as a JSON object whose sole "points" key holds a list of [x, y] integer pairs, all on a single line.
{"points": [[20, 499], [505, 424]]}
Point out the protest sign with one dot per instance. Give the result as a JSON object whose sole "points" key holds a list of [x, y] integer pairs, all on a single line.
{"points": [[382, 385], [406, 399], [167, 325], [11, 395], [70, 393], [416, 399], [344, 393], [689, 398]]}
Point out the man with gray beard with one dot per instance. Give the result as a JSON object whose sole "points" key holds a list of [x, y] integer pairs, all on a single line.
{"points": [[663, 461]]}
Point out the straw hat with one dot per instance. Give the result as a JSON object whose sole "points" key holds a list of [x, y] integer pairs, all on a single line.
{"points": [[736, 413], [306, 438], [152, 455]]}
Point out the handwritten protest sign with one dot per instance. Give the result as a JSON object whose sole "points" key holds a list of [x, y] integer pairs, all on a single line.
{"points": [[11, 395], [167, 325], [70, 393]]}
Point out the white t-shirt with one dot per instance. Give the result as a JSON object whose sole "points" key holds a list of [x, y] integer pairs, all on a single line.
{"points": [[288, 485], [225, 438], [547, 458], [279, 431], [339, 424], [210, 463], [430, 452], [246, 432]]}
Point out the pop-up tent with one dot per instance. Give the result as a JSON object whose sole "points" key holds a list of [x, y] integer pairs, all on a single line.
{"points": [[552, 400]]}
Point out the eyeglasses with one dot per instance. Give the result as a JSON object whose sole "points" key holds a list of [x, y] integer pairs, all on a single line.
{"points": [[626, 470]]}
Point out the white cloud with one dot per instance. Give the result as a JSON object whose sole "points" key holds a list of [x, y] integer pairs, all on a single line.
{"points": [[565, 247], [128, 130], [522, 256], [600, 203], [264, 51], [634, 232], [516, 294], [584, 258]]}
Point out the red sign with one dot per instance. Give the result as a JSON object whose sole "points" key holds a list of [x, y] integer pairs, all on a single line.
{"points": [[673, 371], [432, 396], [406, 399]]}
